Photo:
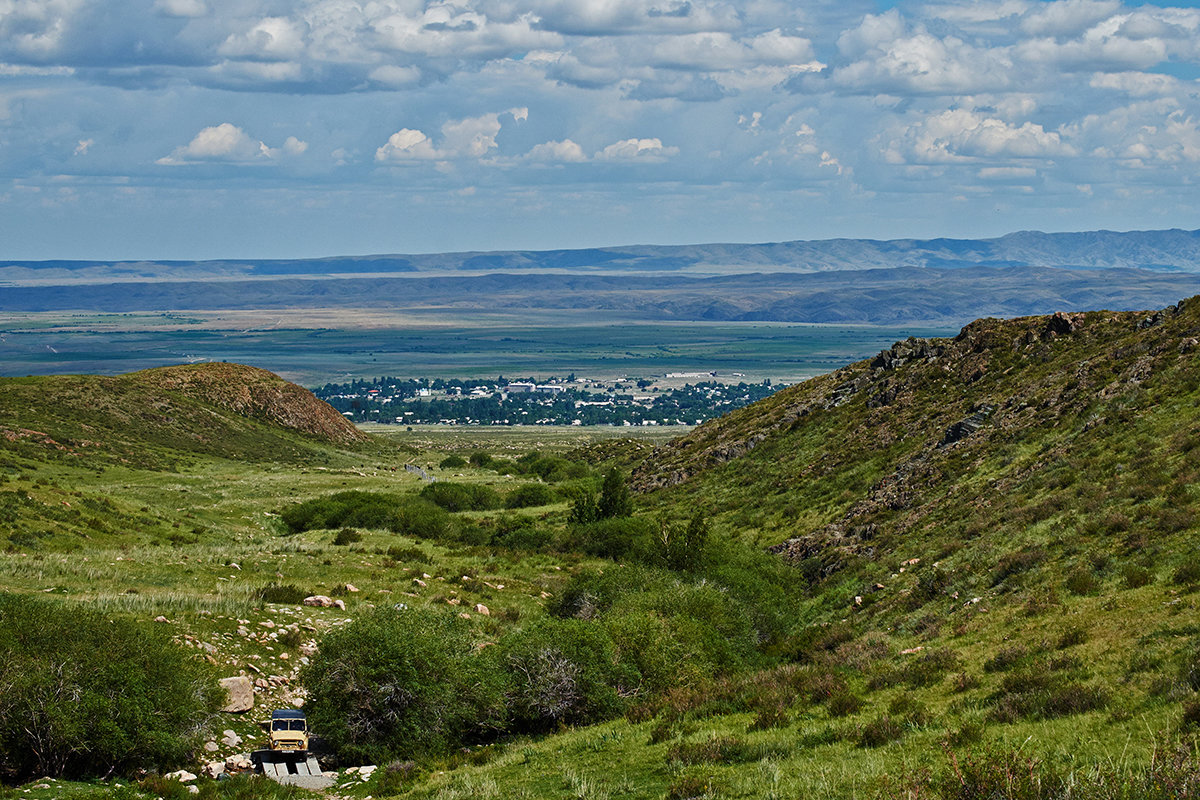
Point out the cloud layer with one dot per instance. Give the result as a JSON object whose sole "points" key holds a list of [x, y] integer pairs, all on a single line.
{"points": [[738, 119]]}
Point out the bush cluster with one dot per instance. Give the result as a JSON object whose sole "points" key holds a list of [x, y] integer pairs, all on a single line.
{"points": [[85, 694], [403, 514]]}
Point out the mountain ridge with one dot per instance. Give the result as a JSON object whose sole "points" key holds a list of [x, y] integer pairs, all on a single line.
{"points": [[1165, 250]]}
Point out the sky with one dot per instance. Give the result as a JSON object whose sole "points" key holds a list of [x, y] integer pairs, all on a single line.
{"points": [[192, 129]]}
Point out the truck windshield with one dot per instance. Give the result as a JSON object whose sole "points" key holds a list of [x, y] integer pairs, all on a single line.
{"points": [[288, 725]]}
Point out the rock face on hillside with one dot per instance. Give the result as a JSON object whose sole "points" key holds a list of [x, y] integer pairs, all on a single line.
{"points": [[988, 430], [256, 393]]}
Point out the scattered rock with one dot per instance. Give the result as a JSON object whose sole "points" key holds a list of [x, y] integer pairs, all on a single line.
{"points": [[453, 601], [212, 769], [419, 582], [465, 615], [230, 738], [241, 693], [480, 608], [161, 618], [308, 649], [210, 747], [181, 775], [350, 587], [318, 600], [340, 605]]}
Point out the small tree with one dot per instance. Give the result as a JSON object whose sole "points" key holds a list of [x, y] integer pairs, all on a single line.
{"points": [[614, 497], [583, 510], [683, 548]]}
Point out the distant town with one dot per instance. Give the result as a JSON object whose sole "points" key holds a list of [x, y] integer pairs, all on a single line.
{"points": [[676, 398]]}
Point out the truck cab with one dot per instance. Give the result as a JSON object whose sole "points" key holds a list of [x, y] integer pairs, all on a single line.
{"points": [[289, 731]]}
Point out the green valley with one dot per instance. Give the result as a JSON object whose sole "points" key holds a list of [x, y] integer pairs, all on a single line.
{"points": [[966, 567]]}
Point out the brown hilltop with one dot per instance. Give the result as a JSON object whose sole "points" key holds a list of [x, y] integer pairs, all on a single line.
{"points": [[256, 393]]}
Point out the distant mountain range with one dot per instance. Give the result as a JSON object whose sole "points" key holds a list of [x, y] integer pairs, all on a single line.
{"points": [[1168, 250], [937, 281]]}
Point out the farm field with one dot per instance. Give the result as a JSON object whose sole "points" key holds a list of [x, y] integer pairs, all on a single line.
{"points": [[313, 348]]}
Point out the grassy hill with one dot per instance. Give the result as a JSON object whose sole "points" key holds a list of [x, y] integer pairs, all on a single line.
{"points": [[157, 415]]}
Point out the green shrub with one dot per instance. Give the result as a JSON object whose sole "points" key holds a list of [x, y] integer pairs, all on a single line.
{"points": [[844, 704], [1082, 582], [562, 671], [347, 536], [1006, 658], [480, 459], [409, 555], [721, 750], [1044, 695], [452, 462], [880, 731], [521, 533], [1187, 574], [1135, 576], [461, 496], [1191, 714], [930, 668], [621, 539], [1071, 637], [1017, 563], [85, 694], [530, 495], [403, 514], [287, 593], [401, 682]]}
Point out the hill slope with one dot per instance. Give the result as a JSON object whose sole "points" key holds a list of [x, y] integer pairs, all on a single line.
{"points": [[1076, 428], [159, 415]]}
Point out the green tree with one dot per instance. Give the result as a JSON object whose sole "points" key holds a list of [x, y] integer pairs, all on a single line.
{"points": [[614, 497]]}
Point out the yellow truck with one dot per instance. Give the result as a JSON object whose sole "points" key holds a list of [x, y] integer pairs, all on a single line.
{"points": [[289, 732], [287, 758]]}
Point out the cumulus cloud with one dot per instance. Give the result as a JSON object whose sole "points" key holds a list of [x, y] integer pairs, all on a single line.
{"points": [[472, 137], [886, 54], [229, 144], [637, 150], [565, 151], [963, 135], [81, 149]]}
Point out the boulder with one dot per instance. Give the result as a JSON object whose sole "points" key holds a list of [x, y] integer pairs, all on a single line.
{"points": [[238, 763], [480, 608], [350, 587], [230, 738], [212, 769], [340, 605], [241, 693], [181, 775], [318, 600]]}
